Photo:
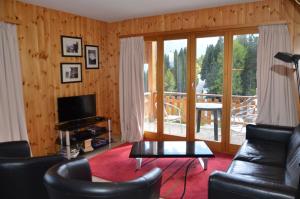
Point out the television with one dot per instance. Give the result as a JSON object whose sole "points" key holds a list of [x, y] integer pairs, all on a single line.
{"points": [[76, 107]]}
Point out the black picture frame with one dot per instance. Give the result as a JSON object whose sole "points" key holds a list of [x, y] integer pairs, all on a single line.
{"points": [[71, 46], [92, 58], [69, 73]]}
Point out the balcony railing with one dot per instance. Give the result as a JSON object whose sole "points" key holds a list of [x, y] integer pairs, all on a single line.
{"points": [[241, 107]]}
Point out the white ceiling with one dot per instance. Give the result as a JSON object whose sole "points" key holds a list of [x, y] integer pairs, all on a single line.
{"points": [[116, 10]]}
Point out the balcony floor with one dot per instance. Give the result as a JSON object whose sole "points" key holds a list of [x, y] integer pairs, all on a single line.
{"points": [[238, 131]]}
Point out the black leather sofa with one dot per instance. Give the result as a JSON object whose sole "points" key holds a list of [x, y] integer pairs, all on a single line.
{"points": [[266, 166], [72, 180], [21, 176]]}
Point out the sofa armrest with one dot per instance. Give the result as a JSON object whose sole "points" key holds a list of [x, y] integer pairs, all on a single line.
{"points": [[269, 133], [23, 177], [15, 149], [223, 185], [61, 182]]}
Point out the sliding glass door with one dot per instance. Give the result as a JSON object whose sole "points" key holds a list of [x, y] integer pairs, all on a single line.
{"points": [[243, 84], [201, 86], [175, 87], [150, 87], [209, 88]]}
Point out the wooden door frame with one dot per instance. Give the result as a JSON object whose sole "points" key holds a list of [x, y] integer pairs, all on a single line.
{"points": [[215, 146], [188, 66], [233, 148], [224, 145], [159, 135]]}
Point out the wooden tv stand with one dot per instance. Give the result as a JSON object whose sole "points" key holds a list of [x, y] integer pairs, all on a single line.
{"points": [[71, 126]]}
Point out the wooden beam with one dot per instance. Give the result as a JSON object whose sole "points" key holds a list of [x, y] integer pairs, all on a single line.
{"points": [[201, 30]]}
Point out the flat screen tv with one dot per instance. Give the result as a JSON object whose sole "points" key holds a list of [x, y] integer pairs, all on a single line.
{"points": [[76, 107]]}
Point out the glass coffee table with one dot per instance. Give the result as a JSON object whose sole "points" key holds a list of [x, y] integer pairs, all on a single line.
{"points": [[171, 149]]}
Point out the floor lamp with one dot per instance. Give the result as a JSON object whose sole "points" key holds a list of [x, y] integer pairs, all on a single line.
{"points": [[290, 58]]}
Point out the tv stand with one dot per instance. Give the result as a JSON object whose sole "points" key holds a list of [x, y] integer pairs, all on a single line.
{"points": [[71, 126]]}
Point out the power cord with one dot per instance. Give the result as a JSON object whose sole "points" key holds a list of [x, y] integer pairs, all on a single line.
{"points": [[186, 172]]}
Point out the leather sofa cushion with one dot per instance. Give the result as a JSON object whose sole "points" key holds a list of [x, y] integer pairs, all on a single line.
{"points": [[263, 152], [257, 171], [293, 159], [15, 149], [293, 170], [268, 132], [294, 144]]}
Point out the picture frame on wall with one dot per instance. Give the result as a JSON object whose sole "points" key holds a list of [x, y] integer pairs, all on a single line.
{"points": [[71, 72], [91, 57], [71, 46]]}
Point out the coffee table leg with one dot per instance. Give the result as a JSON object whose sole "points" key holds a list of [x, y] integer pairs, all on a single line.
{"points": [[203, 162], [139, 163]]}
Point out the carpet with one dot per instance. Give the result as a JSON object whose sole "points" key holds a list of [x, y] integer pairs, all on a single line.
{"points": [[115, 165]]}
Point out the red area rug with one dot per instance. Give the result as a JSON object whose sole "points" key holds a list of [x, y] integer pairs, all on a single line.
{"points": [[115, 165]]}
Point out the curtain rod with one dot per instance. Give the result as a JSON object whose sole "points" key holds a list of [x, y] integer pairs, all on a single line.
{"points": [[220, 28]]}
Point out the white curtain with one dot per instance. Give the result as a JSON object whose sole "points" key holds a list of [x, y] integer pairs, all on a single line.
{"points": [[12, 116], [131, 85], [275, 79]]}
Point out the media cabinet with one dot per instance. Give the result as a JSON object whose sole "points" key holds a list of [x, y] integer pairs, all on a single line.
{"points": [[66, 128]]}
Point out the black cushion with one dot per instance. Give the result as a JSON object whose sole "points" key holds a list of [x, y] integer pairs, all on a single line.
{"points": [[263, 152], [294, 143], [21, 175], [228, 186], [257, 171], [293, 159], [268, 132], [265, 167], [15, 149]]}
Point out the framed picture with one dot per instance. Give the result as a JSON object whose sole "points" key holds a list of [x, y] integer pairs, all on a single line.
{"points": [[91, 57], [71, 46], [71, 72]]}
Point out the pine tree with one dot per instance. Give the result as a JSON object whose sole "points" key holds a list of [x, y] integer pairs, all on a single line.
{"points": [[239, 54], [249, 73], [169, 82], [212, 67]]}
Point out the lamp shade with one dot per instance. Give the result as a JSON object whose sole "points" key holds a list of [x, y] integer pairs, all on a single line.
{"points": [[287, 57]]}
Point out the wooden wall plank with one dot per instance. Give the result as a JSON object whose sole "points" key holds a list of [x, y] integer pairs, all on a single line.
{"points": [[40, 51], [8, 12]]}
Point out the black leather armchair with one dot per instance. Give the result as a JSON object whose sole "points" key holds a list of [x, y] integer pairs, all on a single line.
{"points": [[22, 175], [72, 180], [266, 166]]}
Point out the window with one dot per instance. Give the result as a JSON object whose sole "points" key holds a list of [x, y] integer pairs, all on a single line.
{"points": [[207, 86], [150, 92], [243, 100]]}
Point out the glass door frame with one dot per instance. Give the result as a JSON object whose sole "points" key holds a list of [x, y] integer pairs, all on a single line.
{"points": [[147, 134], [233, 148], [224, 145], [159, 135], [215, 146]]}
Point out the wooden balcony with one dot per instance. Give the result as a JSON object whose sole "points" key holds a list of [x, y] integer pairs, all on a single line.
{"points": [[243, 111]]}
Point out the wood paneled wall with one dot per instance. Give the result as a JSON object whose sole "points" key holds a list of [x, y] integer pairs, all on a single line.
{"points": [[233, 16], [8, 11], [296, 17], [39, 33]]}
